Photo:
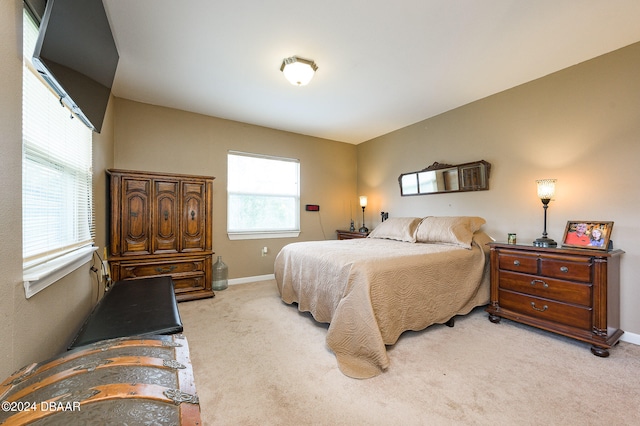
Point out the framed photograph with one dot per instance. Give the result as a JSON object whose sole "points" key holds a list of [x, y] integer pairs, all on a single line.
{"points": [[587, 234]]}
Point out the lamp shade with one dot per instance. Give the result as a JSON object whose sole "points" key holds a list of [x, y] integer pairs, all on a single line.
{"points": [[363, 201], [298, 71], [546, 188]]}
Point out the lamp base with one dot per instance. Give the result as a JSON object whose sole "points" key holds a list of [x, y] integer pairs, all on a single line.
{"points": [[545, 242], [363, 230]]}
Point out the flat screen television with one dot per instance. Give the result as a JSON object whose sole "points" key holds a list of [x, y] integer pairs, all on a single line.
{"points": [[77, 56]]}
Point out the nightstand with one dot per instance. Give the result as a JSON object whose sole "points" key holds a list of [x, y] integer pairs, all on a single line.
{"points": [[348, 235], [572, 292]]}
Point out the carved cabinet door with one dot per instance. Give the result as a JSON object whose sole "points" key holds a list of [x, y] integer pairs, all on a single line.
{"points": [[194, 196], [166, 216], [135, 220]]}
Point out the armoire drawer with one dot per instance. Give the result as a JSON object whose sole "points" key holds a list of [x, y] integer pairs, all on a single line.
{"points": [[189, 282], [548, 288], [545, 309], [167, 267]]}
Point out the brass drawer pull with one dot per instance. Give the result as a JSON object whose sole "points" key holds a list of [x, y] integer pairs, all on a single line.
{"points": [[516, 262], [166, 269], [536, 281], [564, 269], [544, 308]]}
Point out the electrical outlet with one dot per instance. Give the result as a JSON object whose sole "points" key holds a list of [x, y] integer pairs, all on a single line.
{"points": [[265, 250]]}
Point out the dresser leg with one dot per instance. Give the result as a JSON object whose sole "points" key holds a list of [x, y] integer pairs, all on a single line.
{"points": [[601, 352], [494, 318]]}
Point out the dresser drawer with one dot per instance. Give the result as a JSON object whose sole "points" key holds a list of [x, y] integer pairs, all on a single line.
{"points": [[567, 268], [518, 263], [549, 288], [545, 309]]}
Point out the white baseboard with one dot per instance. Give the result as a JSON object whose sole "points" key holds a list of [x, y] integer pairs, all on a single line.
{"points": [[252, 279], [631, 338]]}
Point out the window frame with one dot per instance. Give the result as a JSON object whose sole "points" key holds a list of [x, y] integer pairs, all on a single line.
{"points": [[264, 233]]}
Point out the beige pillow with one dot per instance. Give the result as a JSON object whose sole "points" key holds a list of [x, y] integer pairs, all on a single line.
{"points": [[457, 230], [397, 228]]}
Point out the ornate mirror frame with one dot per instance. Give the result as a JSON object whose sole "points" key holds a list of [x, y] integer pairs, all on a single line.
{"points": [[444, 178]]}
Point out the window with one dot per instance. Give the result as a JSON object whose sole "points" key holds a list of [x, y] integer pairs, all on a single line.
{"points": [[263, 196], [57, 213]]}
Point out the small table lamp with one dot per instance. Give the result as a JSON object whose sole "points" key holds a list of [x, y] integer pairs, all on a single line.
{"points": [[363, 203], [546, 191]]}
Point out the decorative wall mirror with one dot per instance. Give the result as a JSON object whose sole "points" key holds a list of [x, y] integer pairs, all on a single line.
{"points": [[439, 178]]}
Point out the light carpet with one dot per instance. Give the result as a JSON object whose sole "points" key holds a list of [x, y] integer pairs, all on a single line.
{"points": [[258, 361]]}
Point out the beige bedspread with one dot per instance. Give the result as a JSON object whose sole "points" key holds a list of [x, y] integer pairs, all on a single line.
{"points": [[372, 290]]}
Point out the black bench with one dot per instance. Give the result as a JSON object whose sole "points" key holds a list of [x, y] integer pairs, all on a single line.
{"points": [[138, 307]]}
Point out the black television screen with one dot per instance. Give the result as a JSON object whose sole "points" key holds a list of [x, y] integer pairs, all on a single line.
{"points": [[77, 56]]}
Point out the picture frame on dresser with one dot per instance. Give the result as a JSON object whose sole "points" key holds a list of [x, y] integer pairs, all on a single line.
{"points": [[593, 235]]}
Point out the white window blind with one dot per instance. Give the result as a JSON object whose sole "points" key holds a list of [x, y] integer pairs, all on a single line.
{"points": [[57, 204], [263, 196]]}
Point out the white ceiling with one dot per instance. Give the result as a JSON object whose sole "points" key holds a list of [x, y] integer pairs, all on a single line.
{"points": [[383, 64]]}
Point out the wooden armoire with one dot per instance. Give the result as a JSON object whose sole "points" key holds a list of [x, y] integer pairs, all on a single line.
{"points": [[161, 224]]}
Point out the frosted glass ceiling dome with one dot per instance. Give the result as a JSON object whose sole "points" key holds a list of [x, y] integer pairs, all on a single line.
{"points": [[298, 71]]}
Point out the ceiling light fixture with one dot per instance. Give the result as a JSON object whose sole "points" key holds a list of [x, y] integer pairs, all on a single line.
{"points": [[298, 71]]}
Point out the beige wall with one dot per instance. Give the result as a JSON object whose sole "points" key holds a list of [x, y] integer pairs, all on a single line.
{"points": [[580, 125], [37, 328], [152, 138], [11, 178]]}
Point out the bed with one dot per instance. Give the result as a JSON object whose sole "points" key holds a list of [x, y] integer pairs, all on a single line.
{"points": [[408, 274]]}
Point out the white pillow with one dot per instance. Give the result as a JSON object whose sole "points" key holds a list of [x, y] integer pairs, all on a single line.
{"points": [[457, 230], [397, 228]]}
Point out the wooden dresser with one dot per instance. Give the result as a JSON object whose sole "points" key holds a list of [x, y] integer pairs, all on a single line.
{"points": [[348, 235], [572, 292], [161, 224]]}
